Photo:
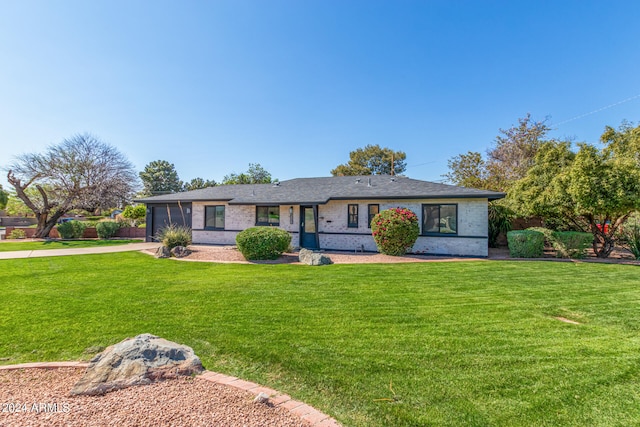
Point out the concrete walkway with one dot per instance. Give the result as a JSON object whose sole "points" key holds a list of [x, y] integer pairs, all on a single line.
{"points": [[79, 251]]}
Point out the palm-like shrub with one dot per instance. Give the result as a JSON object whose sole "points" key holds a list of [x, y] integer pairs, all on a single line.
{"points": [[499, 222], [258, 243], [395, 231]]}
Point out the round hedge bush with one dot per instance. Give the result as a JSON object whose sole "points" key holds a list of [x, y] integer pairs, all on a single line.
{"points": [[525, 243], [258, 243], [71, 229], [107, 229], [395, 231]]}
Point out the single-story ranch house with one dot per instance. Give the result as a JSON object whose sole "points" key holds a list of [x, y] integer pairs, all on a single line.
{"points": [[331, 213]]}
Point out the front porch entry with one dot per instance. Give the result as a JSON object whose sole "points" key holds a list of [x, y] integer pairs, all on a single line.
{"points": [[309, 227]]}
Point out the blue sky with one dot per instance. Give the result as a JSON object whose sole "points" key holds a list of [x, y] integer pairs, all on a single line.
{"points": [[212, 86]]}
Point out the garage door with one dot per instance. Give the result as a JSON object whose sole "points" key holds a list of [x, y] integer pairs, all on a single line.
{"points": [[163, 215]]}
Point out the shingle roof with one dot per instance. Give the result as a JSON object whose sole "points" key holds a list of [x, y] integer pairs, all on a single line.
{"points": [[321, 190]]}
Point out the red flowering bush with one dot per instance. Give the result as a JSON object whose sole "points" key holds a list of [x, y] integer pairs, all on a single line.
{"points": [[395, 230]]}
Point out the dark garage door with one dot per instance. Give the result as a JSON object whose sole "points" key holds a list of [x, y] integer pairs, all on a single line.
{"points": [[163, 215]]}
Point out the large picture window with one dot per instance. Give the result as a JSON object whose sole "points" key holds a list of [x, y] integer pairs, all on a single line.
{"points": [[440, 219], [268, 215], [373, 211], [214, 217], [352, 220]]}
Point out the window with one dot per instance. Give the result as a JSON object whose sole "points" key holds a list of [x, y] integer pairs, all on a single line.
{"points": [[268, 215], [352, 221], [373, 211], [439, 219], [214, 217]]}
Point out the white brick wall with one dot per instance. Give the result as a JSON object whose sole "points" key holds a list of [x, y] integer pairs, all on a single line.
{"points": [[472, 221], [237, 218], [335, 234]]}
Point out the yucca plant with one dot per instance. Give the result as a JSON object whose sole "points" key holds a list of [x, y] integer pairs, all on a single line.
{"points": [[174, 235], [630, 235]]}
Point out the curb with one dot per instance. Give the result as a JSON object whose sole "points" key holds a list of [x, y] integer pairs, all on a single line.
{"points": [[307, 413]]}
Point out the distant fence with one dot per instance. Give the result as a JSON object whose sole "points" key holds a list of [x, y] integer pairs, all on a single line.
{"points": [[89, 233], [15, 221]]}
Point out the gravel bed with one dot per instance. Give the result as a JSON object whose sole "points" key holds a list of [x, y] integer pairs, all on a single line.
{"points": [[40, 397], [230, 254]]}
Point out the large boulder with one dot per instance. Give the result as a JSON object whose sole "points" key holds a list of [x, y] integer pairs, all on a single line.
{"points": [[313, 258], [180, 252], [162, 252], [137, 361]]}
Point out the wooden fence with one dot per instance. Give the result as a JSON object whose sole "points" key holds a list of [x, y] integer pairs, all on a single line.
{"points": [[89, 233]]}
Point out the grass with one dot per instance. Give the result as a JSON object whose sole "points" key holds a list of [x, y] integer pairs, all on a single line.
{"points": [[433, 344], [6, 246]]}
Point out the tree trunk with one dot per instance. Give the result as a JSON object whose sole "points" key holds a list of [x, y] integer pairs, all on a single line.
{"points": [[603, 247], [605, 242], [46, 224]]}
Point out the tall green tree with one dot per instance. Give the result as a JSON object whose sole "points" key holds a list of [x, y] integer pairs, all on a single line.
{"points": [[160, 177], [81, 172], [16, 207], [590, 188], [468, 170], [372, 160], [511, 156], [256, 174], [514, 152], [4, 198], [198, 183]]}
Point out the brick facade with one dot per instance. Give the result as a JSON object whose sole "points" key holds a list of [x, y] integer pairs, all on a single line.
{"points": [[334, 233]]}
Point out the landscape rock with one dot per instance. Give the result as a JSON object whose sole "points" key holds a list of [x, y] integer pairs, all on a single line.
{"points": [[261, 398], [137, 361], [313, 258], [162, 252], [180, 252]]}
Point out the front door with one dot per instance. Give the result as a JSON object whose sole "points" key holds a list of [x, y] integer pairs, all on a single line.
{"points": [[307, 228]]}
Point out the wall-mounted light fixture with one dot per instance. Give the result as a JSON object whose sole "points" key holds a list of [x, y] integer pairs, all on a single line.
{"points": [[290, 214]]}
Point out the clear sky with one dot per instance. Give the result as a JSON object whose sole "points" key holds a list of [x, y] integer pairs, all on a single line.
{"points": [[295, 85]]}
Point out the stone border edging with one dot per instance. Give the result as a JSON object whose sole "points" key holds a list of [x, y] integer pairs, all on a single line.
{"points": [[307, 413], [45, 365]]}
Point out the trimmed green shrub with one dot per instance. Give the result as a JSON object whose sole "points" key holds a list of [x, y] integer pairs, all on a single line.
{"points": [[135, 213], [17, 233], [107, 229], [571, 244], [395, 231], [174, 235], [525, 243], [567, 244], [71, 229], [258, 243]]}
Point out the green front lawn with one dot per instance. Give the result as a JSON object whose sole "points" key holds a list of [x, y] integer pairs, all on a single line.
{"points": [[17, 245], [453, 344]]}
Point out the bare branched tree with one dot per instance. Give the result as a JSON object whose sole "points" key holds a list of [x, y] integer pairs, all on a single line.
{"points": [[81, 172]]}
